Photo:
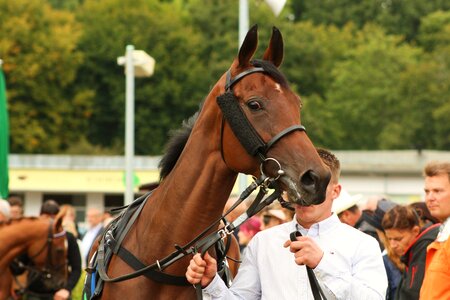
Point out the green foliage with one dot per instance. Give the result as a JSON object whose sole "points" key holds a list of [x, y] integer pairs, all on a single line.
{"points": [[371, 74], [162, 101], [364, 94], [40, 64], [435, 31], [77, 292]]}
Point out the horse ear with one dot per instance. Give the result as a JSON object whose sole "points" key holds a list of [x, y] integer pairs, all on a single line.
{"points": [[248, 47], [274, 52]]}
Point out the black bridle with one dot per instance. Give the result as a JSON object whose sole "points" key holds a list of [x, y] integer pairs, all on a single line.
{"points": [[49, 269], [239, 123]]}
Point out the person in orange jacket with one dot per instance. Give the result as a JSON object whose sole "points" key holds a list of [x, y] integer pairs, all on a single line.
{"points": [[436, 284]]}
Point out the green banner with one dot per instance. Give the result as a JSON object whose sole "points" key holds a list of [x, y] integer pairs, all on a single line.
{"points": [[4, 138]]}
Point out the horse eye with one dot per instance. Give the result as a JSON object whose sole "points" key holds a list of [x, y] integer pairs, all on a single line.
{"points": [[254, 105]]}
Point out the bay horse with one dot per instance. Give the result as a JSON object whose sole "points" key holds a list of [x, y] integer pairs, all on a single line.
{"points": [[249, 123], [43, 241]]}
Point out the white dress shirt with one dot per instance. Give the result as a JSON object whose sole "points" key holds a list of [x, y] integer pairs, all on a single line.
{"points": [[351, 267], [88, 239]]}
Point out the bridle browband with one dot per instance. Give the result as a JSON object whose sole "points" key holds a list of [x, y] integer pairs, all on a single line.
{"points": [[239, 123]]}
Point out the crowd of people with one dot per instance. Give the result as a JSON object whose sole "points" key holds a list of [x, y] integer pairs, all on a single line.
{"points": [[373, 250], [377, 249]]}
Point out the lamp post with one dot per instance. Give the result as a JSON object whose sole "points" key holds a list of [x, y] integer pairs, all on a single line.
{"points": [[137, 64]]}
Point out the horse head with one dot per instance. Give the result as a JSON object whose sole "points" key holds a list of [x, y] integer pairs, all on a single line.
{"points": [[49, 254], [263, 132]]}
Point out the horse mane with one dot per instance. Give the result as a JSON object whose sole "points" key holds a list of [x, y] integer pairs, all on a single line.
{"points": [[173, 149]]}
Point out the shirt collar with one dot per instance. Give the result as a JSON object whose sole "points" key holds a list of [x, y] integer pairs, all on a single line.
{"points": [[317, 228], [444, 231]]}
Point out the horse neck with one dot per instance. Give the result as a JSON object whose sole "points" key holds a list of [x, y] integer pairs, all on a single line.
{"points": [[17, 237], [194, 194]]}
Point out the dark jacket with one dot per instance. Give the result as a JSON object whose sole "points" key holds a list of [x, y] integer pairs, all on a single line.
{"points": [[414, 259], [394, 276]]}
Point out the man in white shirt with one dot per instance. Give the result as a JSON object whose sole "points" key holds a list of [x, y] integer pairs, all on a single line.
{"points": [[347, 263], [94, 218]]}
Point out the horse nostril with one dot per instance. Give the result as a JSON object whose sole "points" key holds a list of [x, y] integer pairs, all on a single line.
{"points": [[309, 181]]}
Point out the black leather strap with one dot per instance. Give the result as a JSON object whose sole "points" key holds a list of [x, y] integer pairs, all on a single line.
{"points": [[315, 287], [283, 133]]}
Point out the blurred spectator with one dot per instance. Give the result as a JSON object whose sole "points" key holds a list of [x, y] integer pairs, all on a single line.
{"points": [[94, 218], [391, 260], [107, 218], [408, 240], [272, 217], [16, 207], [248, 230], [436, 284], [346, 208], [365, 227], [69, 221], [424, 214], [5, 211]]}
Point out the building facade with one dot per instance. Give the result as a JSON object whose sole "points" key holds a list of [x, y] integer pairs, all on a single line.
{"points": [[99, 181]]}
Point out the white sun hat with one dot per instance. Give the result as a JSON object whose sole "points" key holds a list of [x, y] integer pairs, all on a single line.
{"points": [[345, 201]]}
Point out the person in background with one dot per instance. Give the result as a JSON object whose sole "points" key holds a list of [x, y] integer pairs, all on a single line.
{"points": [[16, 207], [346, 262], [35, 289], [247, 231], [5, 211], [94, 218], [272, 217], [346, 208], [408, 240], [392, 263], [426, 219], [436, 283], [69, 221]]}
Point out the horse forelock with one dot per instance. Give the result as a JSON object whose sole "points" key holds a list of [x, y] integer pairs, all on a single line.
{"points": [[175, 145], [272, 71]]}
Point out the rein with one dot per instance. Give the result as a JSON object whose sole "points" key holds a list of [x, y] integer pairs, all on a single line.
{"points": [[202, 242]]}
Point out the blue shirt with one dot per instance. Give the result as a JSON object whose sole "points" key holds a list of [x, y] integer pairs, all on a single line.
{"points": [[351, 267]]}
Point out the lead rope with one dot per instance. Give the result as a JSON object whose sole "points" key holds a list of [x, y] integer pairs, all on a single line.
{"points": [[314, 283]]}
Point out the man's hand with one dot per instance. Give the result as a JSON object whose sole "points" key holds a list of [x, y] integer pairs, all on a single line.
{"points": [[62, 294], [201, 270], [306, 251]]}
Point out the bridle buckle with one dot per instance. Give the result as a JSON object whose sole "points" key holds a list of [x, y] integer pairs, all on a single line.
{"points": [[225, 231]]}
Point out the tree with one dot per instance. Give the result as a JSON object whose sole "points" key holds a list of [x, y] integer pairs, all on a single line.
{"points": [[162, 101], [365, 95], [41, 59]]}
